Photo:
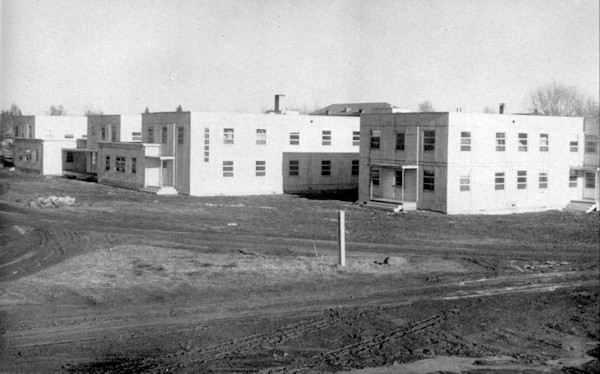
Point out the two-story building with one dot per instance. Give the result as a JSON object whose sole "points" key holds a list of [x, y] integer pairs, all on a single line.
{"points": [[475, 163], [81, 161], [204, 154], [39, 140]]}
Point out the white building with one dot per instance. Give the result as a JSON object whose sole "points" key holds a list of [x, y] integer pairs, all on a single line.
{"points": [[205, 154], [476, 163], [39, 140]]}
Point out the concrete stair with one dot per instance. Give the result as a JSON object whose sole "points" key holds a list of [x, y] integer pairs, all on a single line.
{"points": [[160, 190], [390, 206], [579, 205]]}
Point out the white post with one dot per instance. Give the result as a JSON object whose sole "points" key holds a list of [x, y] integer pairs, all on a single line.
{"points": [[342, 239]]}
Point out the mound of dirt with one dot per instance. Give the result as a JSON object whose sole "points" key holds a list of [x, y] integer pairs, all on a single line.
{"points": [[51, 202]]}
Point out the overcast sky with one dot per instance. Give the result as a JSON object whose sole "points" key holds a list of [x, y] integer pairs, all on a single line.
{"points": [[121, 56]]}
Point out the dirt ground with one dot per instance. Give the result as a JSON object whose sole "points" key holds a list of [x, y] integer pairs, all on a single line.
{"points": [[124, 281]]}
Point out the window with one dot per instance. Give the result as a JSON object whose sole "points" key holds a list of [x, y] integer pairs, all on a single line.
{"points": [[180, 135], [133, 165], [69, 136], [107, 164], [543, 180], [261, 168], [21, 154], [94, 132], [163, 135], [429, 141], [294, 168], [572, 178], [465, 183], [70, 157], [522, 142], [261, 136], [500, 142], [590, 180], [326, 137], [103, 133], [94, 157], [398, 181], [499, 180], [228, 168], [150, 134], [295, 138], [136, 136], [521, 179], [28, 155], [465, 142], [113, 133], [591, 143], [399, 141], [428, 180], [544, 142], [36, 155], [375, 177], [375, 139], [206, 144], [355, 168], [326, 168], [227, 136], [355, 137], [120, 164], [574, 146]]}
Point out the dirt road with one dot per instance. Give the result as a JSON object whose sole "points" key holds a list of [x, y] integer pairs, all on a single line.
{"points": [[130, 282]]}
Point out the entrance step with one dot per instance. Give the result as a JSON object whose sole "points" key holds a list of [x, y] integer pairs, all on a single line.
{"points": [[391, 206], [579, 205], [160, 190]]}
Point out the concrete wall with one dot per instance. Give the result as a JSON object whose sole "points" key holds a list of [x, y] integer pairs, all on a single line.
{"points": [[130, 124], [28, 155], [60, 127], [206, 177], [483, 161], [310, 178], [122, 179], [387, 158]]}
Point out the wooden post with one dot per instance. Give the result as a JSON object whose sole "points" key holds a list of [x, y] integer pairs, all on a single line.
{"points": [[342, 239]]}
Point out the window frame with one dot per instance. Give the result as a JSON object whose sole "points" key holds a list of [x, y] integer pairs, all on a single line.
{"points": [[573, 177], [133, 166], [294, 168], [465, 141], [465, 183], [398, 177], [428, 180], [261, 136], [544, 142], [326, 137], [543, 180], [70, 158], [164, 135], [355, 168], [228, 169], [260, 168], [499, 181], [574, 146], [295, 138], [356, 138], [375, 142], [591, 144], [228, 136], [326, 168], [521, 179], [120, 162], [375, 176], [500, 142], [400, 140], [107, 163], [180, 135], [429, 140], [522, 142]]}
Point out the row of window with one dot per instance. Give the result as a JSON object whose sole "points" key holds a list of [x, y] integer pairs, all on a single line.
{"points": [[120, 164], [261, 137], [293, 170], [591, 142], [499, 180]]}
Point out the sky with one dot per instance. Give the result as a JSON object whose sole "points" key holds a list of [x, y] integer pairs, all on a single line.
{"points": [[121, 56]]}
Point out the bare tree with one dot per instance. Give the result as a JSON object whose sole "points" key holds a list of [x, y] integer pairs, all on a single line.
{"points": [[556, 99], [56, 110], [89, 111], [426, 106], [14, 110]]}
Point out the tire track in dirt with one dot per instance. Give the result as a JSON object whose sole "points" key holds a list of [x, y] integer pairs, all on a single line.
{"points": [[344, 356], [43, 247]]}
